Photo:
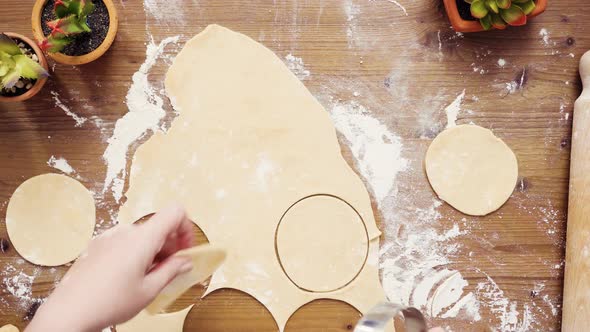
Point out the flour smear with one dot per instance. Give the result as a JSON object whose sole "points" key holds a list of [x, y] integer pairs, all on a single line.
{"points": [[145, 114], [297, 66], [19, 285], [60, 164], [166, 11], [453, 110], [377, 150], [411, 266], [80, 120]]}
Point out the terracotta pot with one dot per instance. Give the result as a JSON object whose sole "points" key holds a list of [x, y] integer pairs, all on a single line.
{"points": [[80, 59], [461, 25], [42, 61]]}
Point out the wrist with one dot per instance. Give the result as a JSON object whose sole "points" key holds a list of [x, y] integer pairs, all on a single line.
{"points": [[52, 317]]}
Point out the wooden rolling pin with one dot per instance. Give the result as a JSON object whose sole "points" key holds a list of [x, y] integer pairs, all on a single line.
{"points": [[576, 294]]}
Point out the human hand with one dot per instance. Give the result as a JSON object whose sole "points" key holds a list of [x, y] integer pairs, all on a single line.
{"points": [[122, 271]]}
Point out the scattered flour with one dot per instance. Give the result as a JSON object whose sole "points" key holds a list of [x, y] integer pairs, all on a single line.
{"points": [[544, 36], [19, 284], [453, 110], [352, 11], [477, 69], [145, 114], [511, 87], [412, 264], [60, 164], [297, 66], [493, 297], [501, 63], [377, 150], [399, 5], [265, 173], [165, 11], [79, 120]]}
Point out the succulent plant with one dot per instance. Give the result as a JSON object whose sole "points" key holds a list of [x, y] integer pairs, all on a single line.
{"points": [[15, 64], [72, 20], [501, 13]]}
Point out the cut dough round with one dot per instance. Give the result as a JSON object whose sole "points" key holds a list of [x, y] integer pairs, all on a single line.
{"points": [[50, 219], [471, 169], [322, 243], [205, 258], [9, 328]]}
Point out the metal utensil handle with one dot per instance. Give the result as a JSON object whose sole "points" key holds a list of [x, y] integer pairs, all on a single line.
{"points": [[377, 318]]}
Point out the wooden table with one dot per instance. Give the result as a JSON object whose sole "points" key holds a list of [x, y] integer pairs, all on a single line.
{"points": [[406, 70]]}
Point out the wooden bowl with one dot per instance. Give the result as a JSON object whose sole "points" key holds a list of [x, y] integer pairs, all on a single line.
{"points": [[42, 61], [80, 59], [461, 25]]}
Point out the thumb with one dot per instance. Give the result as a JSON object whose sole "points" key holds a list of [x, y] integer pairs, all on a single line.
{"points": [[164, 273]]}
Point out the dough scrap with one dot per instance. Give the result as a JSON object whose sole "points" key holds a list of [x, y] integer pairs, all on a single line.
{"points": [[50, 219], [310, 226], [206, 259], [471, 169], [9, 328], [249, 142], [144, 322]]}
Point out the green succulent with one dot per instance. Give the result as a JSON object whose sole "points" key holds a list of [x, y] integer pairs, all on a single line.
{"points": [[501, 13], [72, 20], [14, 64]]}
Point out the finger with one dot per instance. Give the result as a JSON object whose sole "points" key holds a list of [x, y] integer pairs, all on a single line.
{"points": [[164, 273], [162, 224], [180, 239]]}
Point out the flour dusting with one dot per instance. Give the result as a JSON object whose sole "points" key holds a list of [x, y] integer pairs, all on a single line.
{"points": [[19, 284], [377, 150], [503, 308], [60, 164], [79, 119], [352, 11], [544, 36], [413, 265], [166, 11], [453, 110], [414, 254], [399, 5], [297, 66], [145, 114]]}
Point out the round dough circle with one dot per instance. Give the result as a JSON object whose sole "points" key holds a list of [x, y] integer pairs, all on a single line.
{"points": [[471, 169], [50, 219], [322, 243]]}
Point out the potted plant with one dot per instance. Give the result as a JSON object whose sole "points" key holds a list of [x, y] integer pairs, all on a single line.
{"points": [[75, 32], [481, 15], [23, 68]]}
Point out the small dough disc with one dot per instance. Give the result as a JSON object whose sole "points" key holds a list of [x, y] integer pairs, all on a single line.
{"points": [[50, 219], [322, 243], [8, 328], [206, 259], [471, 169]]}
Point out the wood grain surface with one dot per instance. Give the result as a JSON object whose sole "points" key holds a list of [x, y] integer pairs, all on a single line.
{"points": [[405, 70]]}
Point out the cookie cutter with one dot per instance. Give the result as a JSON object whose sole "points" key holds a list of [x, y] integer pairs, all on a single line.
{"points": [[382, 314]]}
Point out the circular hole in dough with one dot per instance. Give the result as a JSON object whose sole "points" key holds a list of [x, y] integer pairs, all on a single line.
{"points": [[321, 243], [50, 219], [471, 169]]}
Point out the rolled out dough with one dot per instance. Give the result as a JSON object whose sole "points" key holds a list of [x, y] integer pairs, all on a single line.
{"points": [[50, 219], [471, 169], [334, 232], [206, 259], [249, 142], [145, 322]]}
